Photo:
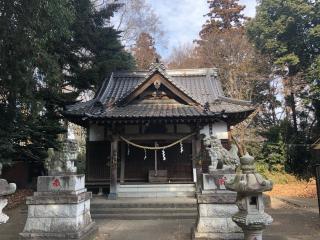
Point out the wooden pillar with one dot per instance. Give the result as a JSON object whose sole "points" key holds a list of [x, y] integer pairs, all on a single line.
{"points": [[123, 161], [194, 155], [113, 169], [197, 167]]}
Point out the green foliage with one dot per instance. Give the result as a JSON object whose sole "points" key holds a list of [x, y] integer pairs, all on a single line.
{"points": [[313, 94], [288, 32], [271, 154], [274, 154], [288, 60], [95, 51], [51, 51], [30, 66]]}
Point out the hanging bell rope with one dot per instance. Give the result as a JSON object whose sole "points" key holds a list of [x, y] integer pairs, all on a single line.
{"points": [[157, 148]]}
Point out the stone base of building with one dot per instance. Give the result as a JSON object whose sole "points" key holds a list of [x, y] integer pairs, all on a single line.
{"points": [[60, 209]]}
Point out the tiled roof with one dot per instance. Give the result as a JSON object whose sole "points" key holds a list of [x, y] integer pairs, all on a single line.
{"points": [[201, 85]]}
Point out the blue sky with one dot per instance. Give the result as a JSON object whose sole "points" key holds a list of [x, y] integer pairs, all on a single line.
{"points": [[182, 20]]}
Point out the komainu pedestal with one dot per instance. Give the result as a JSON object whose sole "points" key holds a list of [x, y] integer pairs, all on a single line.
{"points": [[216, 205], [60, 209]]}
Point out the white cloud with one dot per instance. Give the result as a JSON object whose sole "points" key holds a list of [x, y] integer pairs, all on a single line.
{"points": [[182, 19]]}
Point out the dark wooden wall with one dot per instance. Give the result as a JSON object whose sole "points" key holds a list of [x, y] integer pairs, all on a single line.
{"points": [[98, 157], [179, 166]]}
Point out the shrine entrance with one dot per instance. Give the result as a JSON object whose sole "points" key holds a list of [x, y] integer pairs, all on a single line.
{"points": [[170, 165]]}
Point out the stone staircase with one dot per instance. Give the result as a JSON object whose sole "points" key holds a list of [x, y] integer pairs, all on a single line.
{"points": [[144, 209], [156, 190]]}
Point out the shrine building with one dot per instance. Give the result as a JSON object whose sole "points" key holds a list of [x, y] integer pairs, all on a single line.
{"points": [[146, 128]]}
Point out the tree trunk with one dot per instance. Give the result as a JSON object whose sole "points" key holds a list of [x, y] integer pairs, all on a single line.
{"points": [[294, 112]]}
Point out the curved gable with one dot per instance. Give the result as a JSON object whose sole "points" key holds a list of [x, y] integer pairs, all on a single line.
{"points": [[157, 80]]}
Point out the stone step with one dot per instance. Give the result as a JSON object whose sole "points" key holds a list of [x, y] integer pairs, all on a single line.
{"points": [[155, 187], [155, 194], [156, 190], [144, 216], [143, 205], [142, 210], [156, 184]]}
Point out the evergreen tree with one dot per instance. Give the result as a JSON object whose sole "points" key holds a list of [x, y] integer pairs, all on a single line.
{"points": [[274, 151], [28, 32], [288, 32], [223, 15], [144, 51], [95, 51], [51, 51]]}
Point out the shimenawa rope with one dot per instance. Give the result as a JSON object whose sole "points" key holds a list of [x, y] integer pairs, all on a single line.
{"points": [[157, 148]]}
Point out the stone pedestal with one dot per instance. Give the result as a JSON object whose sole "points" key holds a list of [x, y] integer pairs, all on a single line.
{"points": [[214, 220], [216, 205], [60, 209]]}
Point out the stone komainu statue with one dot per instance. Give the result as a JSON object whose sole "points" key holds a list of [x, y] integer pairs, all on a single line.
{"points": [[62, 162], [217, 153]]}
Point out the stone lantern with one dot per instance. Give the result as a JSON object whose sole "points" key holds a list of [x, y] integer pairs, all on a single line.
{"points": [[5, 189], [249, 186]]}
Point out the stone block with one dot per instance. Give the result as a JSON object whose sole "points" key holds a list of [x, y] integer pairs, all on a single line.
{"points": [[208, 182], [68, 183], [52, 221], [216, 180], [208, 225], [217, 197], [86, 233], [217, 236], [57, 198], [217, 210], [59, 210]]}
